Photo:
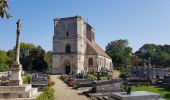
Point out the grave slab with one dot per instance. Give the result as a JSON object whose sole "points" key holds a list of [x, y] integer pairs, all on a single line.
{"points": [[137, 95]]}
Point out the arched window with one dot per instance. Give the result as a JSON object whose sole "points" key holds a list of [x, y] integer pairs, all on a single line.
{"points": [[90, 61], [68, 48]]}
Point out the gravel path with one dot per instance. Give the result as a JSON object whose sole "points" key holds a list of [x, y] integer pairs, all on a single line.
{"points": [[64, 92]]}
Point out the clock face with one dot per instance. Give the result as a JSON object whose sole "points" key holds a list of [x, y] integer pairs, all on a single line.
{"points": [[60, 27]]}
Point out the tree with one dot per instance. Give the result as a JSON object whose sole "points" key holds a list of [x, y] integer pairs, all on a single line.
{"points": [[4, 61], [37, 59], [135, 60], [48, 59], [25, 58], [31, 57], [120, 53], [3, 7], [159, 54]]}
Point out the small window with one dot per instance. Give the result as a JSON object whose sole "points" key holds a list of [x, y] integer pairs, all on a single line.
{"points": [[90, 61], [68, 48]]}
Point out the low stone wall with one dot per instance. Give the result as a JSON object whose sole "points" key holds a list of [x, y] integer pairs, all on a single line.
{"points": [[113, 85]]}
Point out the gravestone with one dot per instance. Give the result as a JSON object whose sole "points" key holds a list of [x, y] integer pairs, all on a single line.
{"points": [[105, 88], [114, 85], [15, 88], [39, 80]]}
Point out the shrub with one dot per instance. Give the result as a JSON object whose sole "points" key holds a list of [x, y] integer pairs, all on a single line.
{"points": [[27, 79], [48, 94], [51, 83]]}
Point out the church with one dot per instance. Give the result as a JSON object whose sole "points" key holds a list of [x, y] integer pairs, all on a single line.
{"points": [[75, 49]]}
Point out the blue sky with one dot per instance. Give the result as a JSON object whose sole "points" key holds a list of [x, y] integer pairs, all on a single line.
{"points": [[139, 21]]}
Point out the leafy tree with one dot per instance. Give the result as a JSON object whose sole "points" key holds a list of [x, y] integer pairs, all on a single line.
{"points": [[135, 60], [4, 61], [11, 54], [25, 58], [159, 54], [48, 59], [3, 7], [120, 53], [31, 57], [37, 59]]}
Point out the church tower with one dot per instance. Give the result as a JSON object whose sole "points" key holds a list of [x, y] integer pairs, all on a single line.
{"points": [[68, 45], [75, 49]]}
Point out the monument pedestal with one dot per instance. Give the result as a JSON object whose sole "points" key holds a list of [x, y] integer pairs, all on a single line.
{"points": [[19, 92], [16, 78], [16, 89]]}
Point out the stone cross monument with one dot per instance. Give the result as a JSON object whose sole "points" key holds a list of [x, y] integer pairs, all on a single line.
{"points": [[15, 89], [17, 67]]}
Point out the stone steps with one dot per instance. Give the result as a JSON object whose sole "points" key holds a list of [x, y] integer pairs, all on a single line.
{"points": [[32, 98], [23, 91], [21, 88]]}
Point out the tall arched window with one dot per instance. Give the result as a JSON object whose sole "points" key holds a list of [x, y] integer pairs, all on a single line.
{"points": [[90, 61], [68, 48]]}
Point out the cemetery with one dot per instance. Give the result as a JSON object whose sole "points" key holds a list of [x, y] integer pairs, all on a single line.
{"points": [[104, 84], [65, 62], [148, 85]]}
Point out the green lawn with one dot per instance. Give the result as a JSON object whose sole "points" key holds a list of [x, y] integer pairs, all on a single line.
{"points": [[164, 92]]}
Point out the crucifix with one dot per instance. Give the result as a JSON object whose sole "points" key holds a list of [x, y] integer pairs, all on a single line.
{"points": [[17, 42], [17, 67]]}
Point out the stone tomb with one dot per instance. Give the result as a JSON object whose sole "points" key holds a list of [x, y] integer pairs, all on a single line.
{"points": [[136, 95], [113, 85]]}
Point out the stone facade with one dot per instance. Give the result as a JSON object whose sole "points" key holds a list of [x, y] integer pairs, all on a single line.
{"points": [[75, 49]]}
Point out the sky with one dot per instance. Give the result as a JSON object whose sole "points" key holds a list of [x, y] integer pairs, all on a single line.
{"points": [[138, 21]]}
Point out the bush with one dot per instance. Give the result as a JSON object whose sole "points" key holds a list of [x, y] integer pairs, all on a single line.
{"points": [[93, 76], [27, 78], [51, 83], [48, 94]]}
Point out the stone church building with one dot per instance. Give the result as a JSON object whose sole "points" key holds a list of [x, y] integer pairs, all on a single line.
{"points": [[75, 49]]}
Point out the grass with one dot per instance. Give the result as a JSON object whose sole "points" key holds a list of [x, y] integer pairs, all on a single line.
{"points": [[164, 92], [48, 94]]}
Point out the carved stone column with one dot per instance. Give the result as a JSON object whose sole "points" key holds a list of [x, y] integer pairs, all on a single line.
{"points": [[16, 66]]}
